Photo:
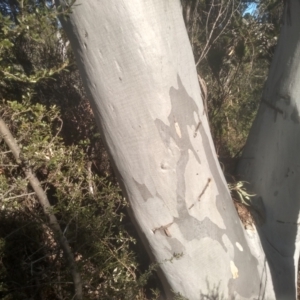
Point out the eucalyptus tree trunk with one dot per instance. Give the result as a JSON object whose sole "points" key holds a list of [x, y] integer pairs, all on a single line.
{"points": [[138, 69], [271, 160]]}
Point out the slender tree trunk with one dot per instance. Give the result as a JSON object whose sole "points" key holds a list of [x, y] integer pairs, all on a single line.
{"points": [[139, 72], [271, 160]]}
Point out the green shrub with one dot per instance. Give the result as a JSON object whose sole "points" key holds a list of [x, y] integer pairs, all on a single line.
{"points": [[44, 106]]}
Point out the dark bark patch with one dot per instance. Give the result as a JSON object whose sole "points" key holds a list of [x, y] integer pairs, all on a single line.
{"points": [[295, 116], [180, 118], [144, 191]]}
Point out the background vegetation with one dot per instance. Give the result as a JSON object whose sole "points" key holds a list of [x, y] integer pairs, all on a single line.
{"points": [[45, 107]]}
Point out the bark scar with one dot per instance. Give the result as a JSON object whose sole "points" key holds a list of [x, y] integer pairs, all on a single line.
{"points": [[202, 193], [277, 109], [290, 223], [165, 228], [197, 128], [203, 89]]}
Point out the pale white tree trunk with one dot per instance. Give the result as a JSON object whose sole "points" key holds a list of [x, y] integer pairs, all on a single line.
{"points": [[271, 159], [139, 72]]}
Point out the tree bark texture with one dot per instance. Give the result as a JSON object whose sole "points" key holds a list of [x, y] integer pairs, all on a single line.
{"points": [[271, 160], [139, 72]]}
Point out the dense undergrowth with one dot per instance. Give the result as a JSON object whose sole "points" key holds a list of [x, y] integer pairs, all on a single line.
{"points": [[44, 106]]}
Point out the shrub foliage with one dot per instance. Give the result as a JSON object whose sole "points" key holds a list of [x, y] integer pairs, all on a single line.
{"points": [[44, 106]]}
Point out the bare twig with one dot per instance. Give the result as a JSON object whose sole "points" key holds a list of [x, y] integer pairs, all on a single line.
{"points": [[90, 182], [18, 196], [221, 17], [5, 152], [58, 131], [44, 202], [129, 270], [202, 192]]}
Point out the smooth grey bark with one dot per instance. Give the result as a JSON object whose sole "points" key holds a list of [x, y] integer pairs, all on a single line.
{"points": [[138, 69], [271, 160]]}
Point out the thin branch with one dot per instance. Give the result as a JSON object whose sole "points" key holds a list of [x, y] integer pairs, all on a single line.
{"points": [[5, 152], [58, 131], [44, 202], [90, 181], [209, 37], [129, 270], [19, 196], [16, 230], [7, 192]]}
